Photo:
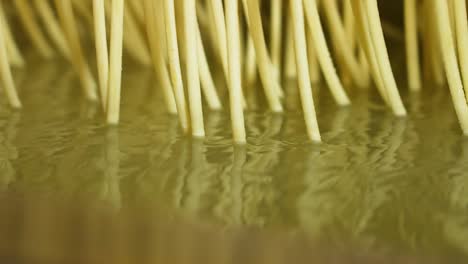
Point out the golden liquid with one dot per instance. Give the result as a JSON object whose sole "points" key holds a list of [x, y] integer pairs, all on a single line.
{"points": [[381, 189]]}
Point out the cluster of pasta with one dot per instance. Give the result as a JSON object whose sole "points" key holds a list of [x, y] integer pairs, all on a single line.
{"points": [[173, 37]]}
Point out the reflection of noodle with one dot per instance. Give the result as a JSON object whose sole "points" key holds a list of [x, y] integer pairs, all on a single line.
{"points": [[8, 151], [112, 154]]}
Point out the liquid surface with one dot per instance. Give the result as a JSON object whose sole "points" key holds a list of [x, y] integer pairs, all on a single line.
{"points": [[379, 189]]}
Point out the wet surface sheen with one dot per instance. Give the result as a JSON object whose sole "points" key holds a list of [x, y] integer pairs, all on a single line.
{"points": [[378, 188]]}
